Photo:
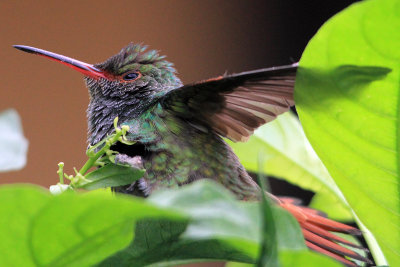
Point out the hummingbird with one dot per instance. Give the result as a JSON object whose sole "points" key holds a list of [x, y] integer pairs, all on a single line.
{"points": [[179, 129]]}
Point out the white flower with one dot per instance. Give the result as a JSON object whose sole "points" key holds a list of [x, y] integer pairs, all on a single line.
{"points": [[58, 188]]}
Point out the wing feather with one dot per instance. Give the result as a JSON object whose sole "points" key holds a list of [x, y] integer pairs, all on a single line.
{"points": [[235, 105]]}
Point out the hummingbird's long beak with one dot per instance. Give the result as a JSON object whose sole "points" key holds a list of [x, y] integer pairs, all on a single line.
{"points": [[82, 67]]}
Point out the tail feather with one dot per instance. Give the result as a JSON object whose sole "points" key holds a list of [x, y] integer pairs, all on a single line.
{"points": [[317, 233], [330, 245], [330, 254], [328, 235], [330, 225]]}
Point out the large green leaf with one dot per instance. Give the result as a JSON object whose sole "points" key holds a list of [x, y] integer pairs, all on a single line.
{"points": [[220, 228], [287, 154], [13, 145], [37, 229], [216, 213], [347, 96]]}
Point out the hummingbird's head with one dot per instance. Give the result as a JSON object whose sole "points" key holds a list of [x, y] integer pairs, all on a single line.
{"points": [[134, 71]]}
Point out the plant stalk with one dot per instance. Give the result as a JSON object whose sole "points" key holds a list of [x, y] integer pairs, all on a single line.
{"points": [[375, 249]]}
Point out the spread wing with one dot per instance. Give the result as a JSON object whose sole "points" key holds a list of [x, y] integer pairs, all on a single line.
{"points": [[235, 105]]}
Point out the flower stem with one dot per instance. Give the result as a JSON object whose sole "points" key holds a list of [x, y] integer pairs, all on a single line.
{"points": [[108, 142], [61, 172], [94, 153]]}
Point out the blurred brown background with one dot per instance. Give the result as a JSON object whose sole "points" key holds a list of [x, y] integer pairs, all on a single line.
{"points": [[203, 39]]}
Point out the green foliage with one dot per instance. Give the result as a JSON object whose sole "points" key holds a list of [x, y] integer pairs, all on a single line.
{"points": [[38, 229], [347, 96], [220, 228], [13, 145], [199, 222]]}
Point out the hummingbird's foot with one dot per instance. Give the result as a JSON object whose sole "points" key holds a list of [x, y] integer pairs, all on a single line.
{"points": [[135, 162], [139, 187]]}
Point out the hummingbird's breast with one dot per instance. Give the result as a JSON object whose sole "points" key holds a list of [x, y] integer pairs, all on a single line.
{"points": [[176, 152]]}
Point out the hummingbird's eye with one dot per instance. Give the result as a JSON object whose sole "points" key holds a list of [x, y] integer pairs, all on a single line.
{"points": [[131, 76]]}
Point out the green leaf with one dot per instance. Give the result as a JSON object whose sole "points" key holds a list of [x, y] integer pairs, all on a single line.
{"points": [[332, 205], [37, 229], [220, 228], [13, 145], [238, 264], [268, 255], [287, 154], [306, 259], [111, 175], [216, 213], [297, 259], [347, 96]]}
